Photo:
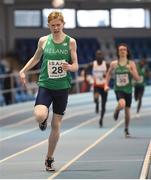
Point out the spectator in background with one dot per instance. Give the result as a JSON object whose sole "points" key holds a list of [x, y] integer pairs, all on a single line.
{"points": [[7, 94], [2, 73], [84, 80]]}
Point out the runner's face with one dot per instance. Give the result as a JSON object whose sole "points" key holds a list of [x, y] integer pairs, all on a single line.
{"points": [[56, 26], [99, 57], [122, 50]]}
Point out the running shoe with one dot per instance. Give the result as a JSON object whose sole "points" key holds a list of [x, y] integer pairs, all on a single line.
{"points": [[116, 114], [43, 125], [127, 134], [100, 122], [49, 164]]}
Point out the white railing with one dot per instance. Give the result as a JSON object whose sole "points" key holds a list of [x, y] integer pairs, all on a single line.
{"points": [[31, 87]]}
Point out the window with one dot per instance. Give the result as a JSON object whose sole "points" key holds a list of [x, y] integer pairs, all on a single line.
{"points": [[69, 17], [27, 18], [93, 18], [129, 18]]}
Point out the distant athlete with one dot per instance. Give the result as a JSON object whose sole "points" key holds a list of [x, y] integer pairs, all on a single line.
{"points": [[139, 86], [125, 70], [99, 70], [59, 58]]}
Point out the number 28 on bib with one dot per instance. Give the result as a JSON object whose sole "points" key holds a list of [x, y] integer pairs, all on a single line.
{"points": [[55, 69]]}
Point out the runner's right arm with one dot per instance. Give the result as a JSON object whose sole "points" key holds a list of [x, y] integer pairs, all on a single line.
{"points": [[33, 61], [108, 75]]}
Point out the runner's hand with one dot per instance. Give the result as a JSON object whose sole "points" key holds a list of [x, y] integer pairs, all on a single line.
{"points": [[106, 87], [129, 68], [22, 78], [66, 66]]}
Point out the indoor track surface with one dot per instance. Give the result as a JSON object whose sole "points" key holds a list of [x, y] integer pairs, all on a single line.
{"points": [[84, 151]]}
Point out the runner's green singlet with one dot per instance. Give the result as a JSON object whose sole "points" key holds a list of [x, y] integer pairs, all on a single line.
{"points": [[141, 72], [52, 75], [122, 79]]}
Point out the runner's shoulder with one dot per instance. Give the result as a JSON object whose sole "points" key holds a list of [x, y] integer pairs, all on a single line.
{"points": [[114, 63], [42, 41]]}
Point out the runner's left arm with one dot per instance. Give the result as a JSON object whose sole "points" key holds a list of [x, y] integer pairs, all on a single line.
{"points": [[73, 67], [133, 70]]}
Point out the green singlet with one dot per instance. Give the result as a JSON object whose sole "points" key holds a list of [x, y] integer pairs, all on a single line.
{"points": [[52, 75], [141, 72], [123, 79]]}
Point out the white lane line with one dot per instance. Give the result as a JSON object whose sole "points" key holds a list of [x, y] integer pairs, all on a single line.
{"points": [[42, 142], [101, 161], [108, 160], [85, 150], [67, 117], [27, 120], [78, 98], [14, 113], [146, 163], [80, 125], [33, 129], [23, 151], [23, 111], [18, 134], [24, 121]]}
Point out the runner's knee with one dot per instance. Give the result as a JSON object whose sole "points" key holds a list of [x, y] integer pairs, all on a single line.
{"points": [[40, 114], [122, 103]]}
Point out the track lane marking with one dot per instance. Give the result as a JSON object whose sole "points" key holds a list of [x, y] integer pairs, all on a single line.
{"points": [[42, 142], [147, 162], [14, 113], [28, 110], [33, 129], [86, 150]]}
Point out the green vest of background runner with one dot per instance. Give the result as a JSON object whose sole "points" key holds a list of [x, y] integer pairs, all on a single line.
{"points": [[141, 72]]}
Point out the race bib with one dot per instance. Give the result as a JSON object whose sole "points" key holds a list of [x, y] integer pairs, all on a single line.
{"points": [[100, 80], [122, 79], [55, 69], [99, 77]]}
